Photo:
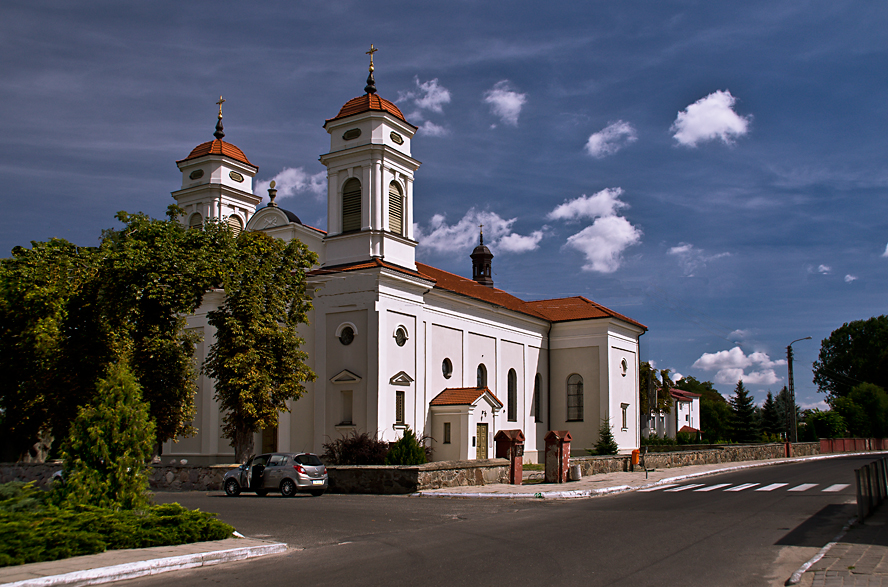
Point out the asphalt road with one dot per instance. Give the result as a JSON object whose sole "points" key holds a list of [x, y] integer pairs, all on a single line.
{"points": [[701, 535]]}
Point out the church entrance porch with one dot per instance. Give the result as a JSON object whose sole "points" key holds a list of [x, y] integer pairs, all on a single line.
{"points": [[481, 450]]}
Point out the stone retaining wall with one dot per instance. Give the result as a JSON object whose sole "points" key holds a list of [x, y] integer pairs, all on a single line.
{"points": [[730, 453], [392, 479]]}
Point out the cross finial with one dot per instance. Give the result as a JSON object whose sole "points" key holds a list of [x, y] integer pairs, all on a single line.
{"points": [[370, 53], [221, 100], [219, 131], [481, 226]]}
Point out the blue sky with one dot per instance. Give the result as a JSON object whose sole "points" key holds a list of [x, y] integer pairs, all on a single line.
{"points": [[715, 172]]}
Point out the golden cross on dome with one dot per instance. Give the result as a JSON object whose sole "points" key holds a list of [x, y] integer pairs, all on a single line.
{"points": [[370, 53], [481, 226], [221, 100]]}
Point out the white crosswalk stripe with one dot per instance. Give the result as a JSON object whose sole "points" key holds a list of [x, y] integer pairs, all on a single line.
{"points": [[684, 488], [835, 488], [772, 486], [713, 487], [742, 487], [657, 488], [803, 487]]}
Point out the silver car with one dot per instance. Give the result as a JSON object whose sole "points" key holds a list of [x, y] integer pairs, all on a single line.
{"points": [[284, 472]]}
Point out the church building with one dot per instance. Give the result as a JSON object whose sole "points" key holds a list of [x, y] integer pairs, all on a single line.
{"points": [[397, 343]]}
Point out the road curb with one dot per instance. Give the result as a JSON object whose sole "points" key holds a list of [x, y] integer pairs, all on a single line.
{"points": [[581, 493], [151, 567]]}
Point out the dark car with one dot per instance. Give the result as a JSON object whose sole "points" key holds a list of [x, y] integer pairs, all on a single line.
{"points": [[281, 471]]}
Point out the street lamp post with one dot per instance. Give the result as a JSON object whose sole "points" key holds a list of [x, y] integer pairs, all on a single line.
{"points": [[793, 430]]}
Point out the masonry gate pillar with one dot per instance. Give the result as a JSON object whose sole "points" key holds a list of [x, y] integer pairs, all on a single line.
{"points": [[557, 456], [510, 445]]}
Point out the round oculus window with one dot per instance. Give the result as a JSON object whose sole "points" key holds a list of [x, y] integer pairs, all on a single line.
{"points": [[400, 336], [447, 368], [347, 336]]}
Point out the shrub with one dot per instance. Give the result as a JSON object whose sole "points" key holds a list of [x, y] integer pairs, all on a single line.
{"points": [[355, 449], [406, 451]]}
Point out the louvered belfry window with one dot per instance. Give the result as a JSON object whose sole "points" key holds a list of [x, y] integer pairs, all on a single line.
{"points": [[234, 223], [351, 205], [575, 398], [396, 209]]}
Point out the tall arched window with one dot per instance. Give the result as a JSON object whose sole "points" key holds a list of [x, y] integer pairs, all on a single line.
{"points": [[351, 205], [482, 375], [196, 221], [513, 396], [537, 399], [575, 398], [396, 209]]}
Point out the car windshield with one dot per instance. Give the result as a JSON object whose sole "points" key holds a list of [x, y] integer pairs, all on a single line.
{"points": [[310, 460]]}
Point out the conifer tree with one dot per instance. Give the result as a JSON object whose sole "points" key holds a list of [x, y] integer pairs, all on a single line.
{"points": [[744, 427], [771, 419], [109, 445], [407, 451], [606, 444]]}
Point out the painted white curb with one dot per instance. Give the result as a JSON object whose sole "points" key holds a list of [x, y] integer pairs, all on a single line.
{"points": [[150, 567], [624, 488]]}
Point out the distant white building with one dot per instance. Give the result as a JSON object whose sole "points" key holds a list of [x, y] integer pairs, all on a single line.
{"points": [[397, 343], [684, 415]]}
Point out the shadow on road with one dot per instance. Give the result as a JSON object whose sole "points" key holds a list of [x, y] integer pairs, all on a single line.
{"points": [[820, 528]]}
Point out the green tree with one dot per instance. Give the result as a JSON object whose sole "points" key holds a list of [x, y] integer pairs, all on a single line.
{"points": [[36, 289], [744, 427], [406, 451], [715, 412], [650, 392], [256, 358], [771, 419], [820, 424], [864, 410], [853, 354], [109, 444], [606, 444]]}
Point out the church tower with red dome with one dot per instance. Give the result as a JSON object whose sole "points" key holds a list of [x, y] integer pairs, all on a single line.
{"points": [[370, 182]]}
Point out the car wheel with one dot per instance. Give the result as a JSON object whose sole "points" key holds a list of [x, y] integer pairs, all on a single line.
{"points": [[232, 489], [317, 492], [288, 488], [261, 492]]}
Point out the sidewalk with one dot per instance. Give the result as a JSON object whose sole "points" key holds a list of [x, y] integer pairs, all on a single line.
{"points": [[607, 483], [860, 557], [116, 565]]}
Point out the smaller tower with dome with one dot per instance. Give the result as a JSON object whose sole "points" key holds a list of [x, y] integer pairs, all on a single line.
{"points": [[217, 182]]}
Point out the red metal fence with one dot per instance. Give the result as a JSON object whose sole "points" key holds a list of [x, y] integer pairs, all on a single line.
{"points": [[828, 445]]}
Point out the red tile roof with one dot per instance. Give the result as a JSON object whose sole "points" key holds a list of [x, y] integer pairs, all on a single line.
{"points": [[683, 395], [688, 429], [366, 103], [218, 147], [372, 263], [462, 396], [577, 308]]}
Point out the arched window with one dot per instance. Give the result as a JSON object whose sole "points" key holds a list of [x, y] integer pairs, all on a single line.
{"points": [[351, 205], [196, 221], [513, 396], [537, 399], [234, 223], [482, 375], [396, 209], [575, 398]]}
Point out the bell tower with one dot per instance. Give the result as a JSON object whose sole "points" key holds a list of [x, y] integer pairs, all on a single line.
{"points": [[217, 182], [370, 182]]}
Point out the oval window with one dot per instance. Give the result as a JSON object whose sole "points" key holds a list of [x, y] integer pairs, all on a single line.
{"points": [[196, 174], [447, 368], [347, 336], [236, 176], [396, 138], [400, 336], [351, 134]]}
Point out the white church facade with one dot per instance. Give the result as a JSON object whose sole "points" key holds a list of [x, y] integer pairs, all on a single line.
{"points": [[397, 343]]}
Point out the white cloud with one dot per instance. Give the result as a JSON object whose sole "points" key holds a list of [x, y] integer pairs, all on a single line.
{"points": [[428, 95], [740, 334], [604, 203], [849, 278], [733, 365], [294, 180], [818, 405], [708, 119], [825, 269], [446, 238], [603, 243], [505, 102], [676, 377], [611, 139], [691, 258], [433, 130], [885, 254]]}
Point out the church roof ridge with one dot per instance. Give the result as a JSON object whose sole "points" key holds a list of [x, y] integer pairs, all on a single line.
{"points": [[367, 103]]}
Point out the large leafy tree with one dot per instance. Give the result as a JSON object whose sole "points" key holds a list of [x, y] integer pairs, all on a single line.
{"points": [[853, 354], [715, 413], [744, 427], [652, 396], [256, 358], [864, 411]]}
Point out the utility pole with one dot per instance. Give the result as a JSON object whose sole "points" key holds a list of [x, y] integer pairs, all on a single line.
{"points": [[793, 429]]}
